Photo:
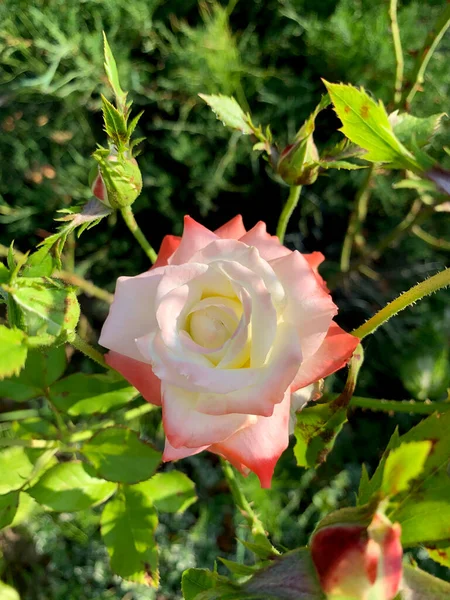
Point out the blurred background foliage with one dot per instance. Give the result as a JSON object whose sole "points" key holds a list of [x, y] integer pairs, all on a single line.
{"points": [[270, 55]]}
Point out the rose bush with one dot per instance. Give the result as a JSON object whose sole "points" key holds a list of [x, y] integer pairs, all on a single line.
{"points": [[221, 331]]}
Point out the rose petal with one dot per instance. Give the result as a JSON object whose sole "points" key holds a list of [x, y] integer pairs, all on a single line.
{"points": [[132, 312], [168, 246], [314, 260], [194, 238], [334, 353], [171, 453], [269, 246], [259, 446], [269, 388], [184, 426], [139, 374], [233, 229], [310, 308]]}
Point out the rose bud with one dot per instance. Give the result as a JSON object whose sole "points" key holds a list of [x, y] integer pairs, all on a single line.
{"points": [[117, 181], [358, 562], [297, 164]]}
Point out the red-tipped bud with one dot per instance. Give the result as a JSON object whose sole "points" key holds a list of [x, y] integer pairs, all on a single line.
{"points": [[297, 164], [357, 562]]}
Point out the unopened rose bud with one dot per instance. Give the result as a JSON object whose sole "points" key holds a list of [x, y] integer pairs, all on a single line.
{"points": [[357, 562], [117, 181], [297, 162]]}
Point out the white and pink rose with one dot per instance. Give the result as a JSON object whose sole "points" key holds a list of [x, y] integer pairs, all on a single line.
{"points": [[224, 329]]}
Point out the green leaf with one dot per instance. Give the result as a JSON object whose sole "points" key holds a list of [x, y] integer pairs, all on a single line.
{"points": [[419, 585], [35, 428], [27, 506], [293, 575], [368, 488], [128, 525], [423, 510], [13, 351], [229, 112], [42, 368], [440, 552], [4, 273], [17, 464], [366, 123], [404, 464], [113, 75], [415, 131], [339, 164], [8, 507], [40, 264], [81, 394], [237, 568], [68, 487], [47, 308], [316, 431], [119, 455], [195, 582], [7, 592], [115, 123], [171, 492]]}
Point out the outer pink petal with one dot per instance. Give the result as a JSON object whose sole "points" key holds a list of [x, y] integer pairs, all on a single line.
{"points": [[168, 246], [233, 229], [131, 313], [171, 453], [310, 308], [194, 238], [139, 374], [259, 446], [314, 260], [334, 353], [184, 426], [269, 246]]}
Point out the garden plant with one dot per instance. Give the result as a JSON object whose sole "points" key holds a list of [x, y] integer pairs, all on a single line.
{"points": [[213, 376]]}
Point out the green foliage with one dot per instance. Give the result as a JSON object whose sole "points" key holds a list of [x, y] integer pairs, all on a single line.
{"points": [[128, 524], [7, 592], [42, 368], [118, 454], [81, 394], [366, 124], [171, 492], [17, 465], [229, 112], [13, 351], [404, 464], [68, 487], [315, 432], [8, 507]]}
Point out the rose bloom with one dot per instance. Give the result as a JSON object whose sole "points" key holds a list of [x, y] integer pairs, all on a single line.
{"points": [[221, 331]]}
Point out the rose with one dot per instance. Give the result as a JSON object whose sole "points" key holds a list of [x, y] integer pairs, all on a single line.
{"points": [[359, 561], [223, 328]]}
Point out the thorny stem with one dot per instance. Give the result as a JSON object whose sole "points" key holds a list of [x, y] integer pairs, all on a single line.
{"points": [[242, 503], [419, 291], [357, 218], [398, 52], [89, 351], [429, 47], [403, 406], [129, 219], [86, 286], [288, 209]]}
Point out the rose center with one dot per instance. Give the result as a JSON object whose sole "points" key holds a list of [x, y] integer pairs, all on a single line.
{"points": [[208, 327]]}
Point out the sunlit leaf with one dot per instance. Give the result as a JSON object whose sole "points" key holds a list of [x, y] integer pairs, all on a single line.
{"points": [[229, 112], [171, 492], [13, 351]]}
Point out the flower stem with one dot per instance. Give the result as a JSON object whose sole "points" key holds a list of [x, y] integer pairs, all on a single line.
{"points": [[129, 219], [357, 218], [431, 42], [435, 242], [86, 348], [403, 406], [288, 209], [256, 527], [419, 291], [398, 52]]}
